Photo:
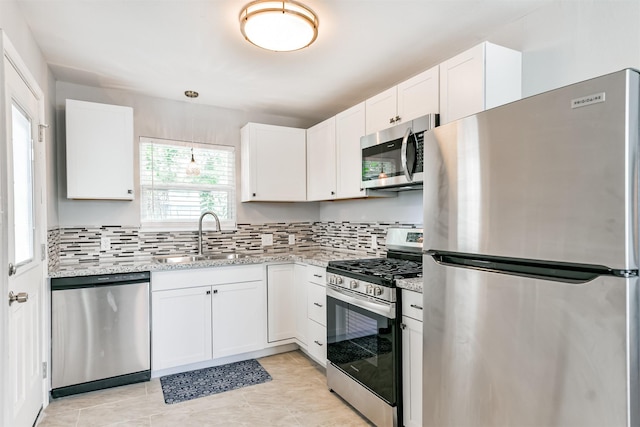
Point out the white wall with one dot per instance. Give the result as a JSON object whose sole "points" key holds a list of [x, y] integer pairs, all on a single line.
{"points": [[160, 118], [561, 43]]}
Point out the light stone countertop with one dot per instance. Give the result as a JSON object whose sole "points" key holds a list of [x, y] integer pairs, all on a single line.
{"points": [[411, 284], [318, 258]]}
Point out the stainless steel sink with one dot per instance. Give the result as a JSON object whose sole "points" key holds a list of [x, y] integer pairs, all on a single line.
{"points": [[186, 258]]}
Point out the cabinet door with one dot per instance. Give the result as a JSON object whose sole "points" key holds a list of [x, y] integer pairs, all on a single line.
{"points": [[181, 327], [238, 318], [412, 371], [462, 85], [419, 95], [99, 148], [300, 294], [274, 163], [350, 127], [321, 161], [381, 110], [281, 302]]}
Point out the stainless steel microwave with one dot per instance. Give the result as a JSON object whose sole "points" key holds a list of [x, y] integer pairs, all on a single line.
{"points": [[392, 158]]}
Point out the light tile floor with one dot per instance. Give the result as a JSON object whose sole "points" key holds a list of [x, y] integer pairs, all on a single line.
{"points": [[296, 396]]}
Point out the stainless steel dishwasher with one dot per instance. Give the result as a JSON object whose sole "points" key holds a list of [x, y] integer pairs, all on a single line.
{"points": [[100, 332]]}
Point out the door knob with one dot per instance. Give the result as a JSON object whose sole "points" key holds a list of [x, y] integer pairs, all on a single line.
{"points": [[12, 269], [19, 297]]}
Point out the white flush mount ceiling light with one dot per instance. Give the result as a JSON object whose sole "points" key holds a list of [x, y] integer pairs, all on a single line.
{"points": [[281, 26]]}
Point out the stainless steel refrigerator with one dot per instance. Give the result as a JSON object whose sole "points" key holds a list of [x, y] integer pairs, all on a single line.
{"points": [[531, 261]]}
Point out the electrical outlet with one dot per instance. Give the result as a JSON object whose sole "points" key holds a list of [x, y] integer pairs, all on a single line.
{"points": [[105, 243], [267, 239], [292, 239], [374, 241]]}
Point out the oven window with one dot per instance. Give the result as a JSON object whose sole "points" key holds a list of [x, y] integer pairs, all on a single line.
{"points": [[365, 346]]}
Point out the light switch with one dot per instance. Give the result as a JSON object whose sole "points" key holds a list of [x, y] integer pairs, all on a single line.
{"points": [[292, 239]]}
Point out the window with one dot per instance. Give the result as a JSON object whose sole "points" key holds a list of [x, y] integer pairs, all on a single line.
{"points": [[171, 197]]}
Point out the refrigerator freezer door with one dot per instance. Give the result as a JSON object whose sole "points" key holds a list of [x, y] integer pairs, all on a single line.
{"points": [[549, 177], [502, 350]]}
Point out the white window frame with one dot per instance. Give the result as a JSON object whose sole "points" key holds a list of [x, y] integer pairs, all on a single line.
{"points": [[191, 224]]}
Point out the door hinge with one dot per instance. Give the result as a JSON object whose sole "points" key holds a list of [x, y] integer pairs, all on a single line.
{"points": [[41, 129], [43, 252], [44, 369]]}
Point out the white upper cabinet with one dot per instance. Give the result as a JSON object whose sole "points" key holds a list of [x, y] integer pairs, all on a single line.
{"points": [[350, 127], [321, 161], [381, 110], [480, 78], [99, 146], [273, 163], [412, 98]]}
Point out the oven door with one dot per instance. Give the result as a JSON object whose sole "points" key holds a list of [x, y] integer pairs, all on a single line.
{"points": [[363, 341]]}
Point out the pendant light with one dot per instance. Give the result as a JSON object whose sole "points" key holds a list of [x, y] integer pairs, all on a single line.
{"points": [[281, 26], [192, 168]]}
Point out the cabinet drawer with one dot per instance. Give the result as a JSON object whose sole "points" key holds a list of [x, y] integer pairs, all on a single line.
{"points": [[317, 275], [412, 304], [317, 346], [317, 303]]}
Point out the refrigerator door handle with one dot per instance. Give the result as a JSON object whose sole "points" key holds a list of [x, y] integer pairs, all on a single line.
{"points": [[546, 270]]}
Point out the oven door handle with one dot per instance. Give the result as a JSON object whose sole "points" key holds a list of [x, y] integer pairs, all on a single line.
{"points": [[387, 310]]}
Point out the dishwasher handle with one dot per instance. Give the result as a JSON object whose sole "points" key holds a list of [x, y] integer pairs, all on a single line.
{"points": [[78, 282]]}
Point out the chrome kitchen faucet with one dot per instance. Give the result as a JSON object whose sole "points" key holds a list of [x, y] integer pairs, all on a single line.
{"points": [[200, 228]]}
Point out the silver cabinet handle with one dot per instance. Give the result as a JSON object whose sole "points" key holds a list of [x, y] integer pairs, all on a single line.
{"points": [[397, 118], [19, 297], [317, 305], [416, 306], [318, 342], [403, 326], [391, 120], [317, 275], [12, 269]]}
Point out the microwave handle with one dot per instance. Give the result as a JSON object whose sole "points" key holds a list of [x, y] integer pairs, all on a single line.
{"points": [[403, 156]]}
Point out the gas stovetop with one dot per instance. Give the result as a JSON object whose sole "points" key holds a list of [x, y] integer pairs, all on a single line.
{"points": [[381, 271]]}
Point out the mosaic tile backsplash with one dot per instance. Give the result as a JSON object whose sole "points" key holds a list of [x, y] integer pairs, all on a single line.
{"points": [[72, 245]]}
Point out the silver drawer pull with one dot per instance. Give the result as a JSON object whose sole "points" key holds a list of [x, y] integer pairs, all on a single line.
{"points": [[317, 275], [317, 305], [416, 306], [318, 342]]}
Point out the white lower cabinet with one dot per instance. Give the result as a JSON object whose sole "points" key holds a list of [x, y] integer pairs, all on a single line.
{"points": [[412, 359], [317, 314], [238, 318], [317, 347], [204, 314], [300, 294], [281, 302], [181, 327]]}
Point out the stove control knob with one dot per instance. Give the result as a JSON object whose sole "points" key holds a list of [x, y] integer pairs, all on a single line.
{"points": [[353, 284], [339, 280], [369, 290], [377, 291], [332, 280]]}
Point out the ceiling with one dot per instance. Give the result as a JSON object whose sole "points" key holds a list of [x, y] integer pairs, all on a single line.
{"points": [[163, 47]]}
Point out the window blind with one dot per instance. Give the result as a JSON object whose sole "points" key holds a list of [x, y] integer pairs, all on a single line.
{"points": [[171, 197]]}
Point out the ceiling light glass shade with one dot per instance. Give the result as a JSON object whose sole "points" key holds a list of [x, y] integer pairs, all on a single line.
{"points": [[280, 26]]}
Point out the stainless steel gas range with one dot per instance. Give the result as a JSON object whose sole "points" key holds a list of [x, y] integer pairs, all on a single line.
{"points": [[363, 327]]}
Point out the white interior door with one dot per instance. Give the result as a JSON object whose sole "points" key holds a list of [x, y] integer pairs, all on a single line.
{"points": [[24, 210]]}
